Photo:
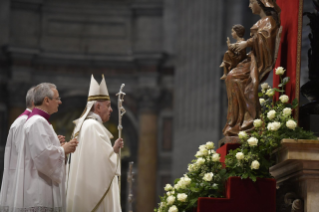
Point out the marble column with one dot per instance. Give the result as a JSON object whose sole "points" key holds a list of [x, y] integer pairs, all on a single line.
{"points": [[147, 151]]}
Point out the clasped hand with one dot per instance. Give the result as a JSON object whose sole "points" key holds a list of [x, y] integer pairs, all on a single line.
{"points": [[70, 146], [118, 144]]}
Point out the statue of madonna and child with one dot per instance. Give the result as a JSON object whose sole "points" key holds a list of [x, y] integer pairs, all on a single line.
{"points": [[243, 73]]}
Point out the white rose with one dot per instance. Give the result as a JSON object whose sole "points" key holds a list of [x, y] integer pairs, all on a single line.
{"points": [[291, 124], [287, 111], [192, 167], [257, 123], [270, 92], [201, 153], [177, 186], [202, 147], [280, 70], [216, 157], [252, 141], [208, 176], [242, 135], [240, 156], [200, 161], [198, 154], [204, 152], [210, 145], [255, 165], [273, 126], [182, 197], [261, 101], [173, 209], [168, 187], [163, 204], [186, 180], [211, 151], [284, 98], [271, 114], [170, 200], [264, 86], [168, 193]]}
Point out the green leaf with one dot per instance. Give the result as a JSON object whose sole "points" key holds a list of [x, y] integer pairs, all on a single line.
{"points": [[194, 189], [285, 80], [276, 89], [294, 103], [260, 94]]}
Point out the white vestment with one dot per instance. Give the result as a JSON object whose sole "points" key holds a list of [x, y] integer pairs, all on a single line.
{"points": [[14, 140], [94, 170], [41, 169]]}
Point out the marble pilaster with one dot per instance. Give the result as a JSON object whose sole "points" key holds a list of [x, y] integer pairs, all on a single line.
{"points": [[297, 171]]}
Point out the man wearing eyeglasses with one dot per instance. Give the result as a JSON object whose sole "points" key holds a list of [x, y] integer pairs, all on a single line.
{"points": [[41, 164]]}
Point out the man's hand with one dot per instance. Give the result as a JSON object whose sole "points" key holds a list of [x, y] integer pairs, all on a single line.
{"points": [[118, 144], [70, 146], [61, 139]]}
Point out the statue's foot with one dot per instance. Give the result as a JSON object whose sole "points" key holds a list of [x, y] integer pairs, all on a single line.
{"points": [[223, 77]]}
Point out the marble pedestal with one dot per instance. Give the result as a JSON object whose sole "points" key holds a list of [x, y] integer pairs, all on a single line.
{"points": [[297, 174]]}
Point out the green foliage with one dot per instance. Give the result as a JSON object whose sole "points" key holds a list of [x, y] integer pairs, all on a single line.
{"points": [[268, 134], [206, 177]]}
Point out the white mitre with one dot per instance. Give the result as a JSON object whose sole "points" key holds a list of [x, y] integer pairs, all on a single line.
{"points": [[96, 92]]}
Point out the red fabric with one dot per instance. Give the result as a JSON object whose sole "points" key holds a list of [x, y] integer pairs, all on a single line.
{"points": [[287, 54], [223, 151], [243, 196]]}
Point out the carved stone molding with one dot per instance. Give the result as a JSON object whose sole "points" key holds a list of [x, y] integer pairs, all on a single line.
{"points": [[148, 98]]}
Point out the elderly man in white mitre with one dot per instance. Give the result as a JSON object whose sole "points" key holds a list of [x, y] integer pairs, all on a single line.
{"points": [[14, 140], [94, 168], [40, 175]]}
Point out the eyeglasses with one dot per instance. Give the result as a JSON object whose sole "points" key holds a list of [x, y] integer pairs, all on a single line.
{"points": [[57, 98]]}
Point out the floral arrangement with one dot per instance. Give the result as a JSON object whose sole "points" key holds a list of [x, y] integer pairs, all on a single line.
{"points": [[253, 158], [206, 176]]}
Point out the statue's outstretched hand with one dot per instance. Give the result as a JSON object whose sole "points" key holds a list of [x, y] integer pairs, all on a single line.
{"points": [[228, 41], [240, 46]]}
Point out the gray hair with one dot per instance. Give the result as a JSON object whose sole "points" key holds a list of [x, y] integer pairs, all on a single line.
{"points": [[29, 99], [43, 90]]}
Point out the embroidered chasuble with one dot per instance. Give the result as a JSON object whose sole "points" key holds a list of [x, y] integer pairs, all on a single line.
{"points": [[94, 170], [14, 140], [40, 176]]}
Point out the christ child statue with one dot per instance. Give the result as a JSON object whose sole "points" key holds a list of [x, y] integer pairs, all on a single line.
{"points": [[231, 56]]}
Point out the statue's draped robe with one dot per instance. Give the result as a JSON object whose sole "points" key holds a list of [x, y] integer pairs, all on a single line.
{"points": [[40, 175], [94, 170], [14, 140], [242, 82]]}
